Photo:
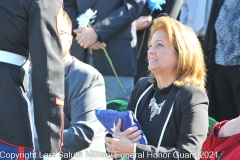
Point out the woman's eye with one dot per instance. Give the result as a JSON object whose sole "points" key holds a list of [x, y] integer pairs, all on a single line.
{"points": [[149, 46], [159, 44]]}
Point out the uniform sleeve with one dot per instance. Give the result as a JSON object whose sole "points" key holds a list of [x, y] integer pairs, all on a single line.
{"points": [[118, 20], [47, 73], [192, 130], [87, 96]]}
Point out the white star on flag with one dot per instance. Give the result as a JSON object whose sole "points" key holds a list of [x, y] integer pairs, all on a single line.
{"points": [[113, 129]]}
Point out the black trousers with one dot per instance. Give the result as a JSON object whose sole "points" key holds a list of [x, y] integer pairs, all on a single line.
{"points": [[226, 92]]}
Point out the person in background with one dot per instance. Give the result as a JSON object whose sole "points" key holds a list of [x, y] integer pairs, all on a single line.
{"points": [[171, 104], [114, 26], [83, 135], [195, 14], [171, 8], [222, 52], [30, 26]]}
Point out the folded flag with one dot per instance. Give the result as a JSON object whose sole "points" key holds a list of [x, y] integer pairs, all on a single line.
{"points": [[109, 119]]}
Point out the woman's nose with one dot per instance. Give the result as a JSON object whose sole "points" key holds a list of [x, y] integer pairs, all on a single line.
{"points": [[151, 51]]}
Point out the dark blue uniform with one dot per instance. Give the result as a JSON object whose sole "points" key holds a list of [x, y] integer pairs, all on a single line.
{"points": [[31, 26]]}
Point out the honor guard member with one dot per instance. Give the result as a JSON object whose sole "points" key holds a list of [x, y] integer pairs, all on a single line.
{"points": [[30, 26]]}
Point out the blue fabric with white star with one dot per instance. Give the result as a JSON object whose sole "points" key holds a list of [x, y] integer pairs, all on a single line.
{"points": [[109, 119]]}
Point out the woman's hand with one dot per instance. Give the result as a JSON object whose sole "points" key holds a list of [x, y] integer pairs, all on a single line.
{"points": [[230, 128], [143, 22], [131, 133], [119, 146], [98, 45], [85, 36], [122, 143]]}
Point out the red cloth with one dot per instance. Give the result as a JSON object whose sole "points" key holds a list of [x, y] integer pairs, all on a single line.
{"points": [[213, 146]]}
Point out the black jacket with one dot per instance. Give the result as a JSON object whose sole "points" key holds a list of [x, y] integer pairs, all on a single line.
{"points": [[186, 129], [30, 26]]}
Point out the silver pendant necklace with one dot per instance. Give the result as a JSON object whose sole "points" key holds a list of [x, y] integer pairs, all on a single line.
{"points": [[155, 108]]}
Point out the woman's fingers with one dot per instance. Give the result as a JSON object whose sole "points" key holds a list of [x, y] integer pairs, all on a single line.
{"points": [[98, 45], [130, 131], [137, 139], [135, 135]]}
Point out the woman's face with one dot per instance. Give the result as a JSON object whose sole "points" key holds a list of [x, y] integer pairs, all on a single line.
{"points": [[161, 55]]}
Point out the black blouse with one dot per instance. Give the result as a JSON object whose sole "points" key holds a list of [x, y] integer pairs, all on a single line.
{"points": [[160, 95]]}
